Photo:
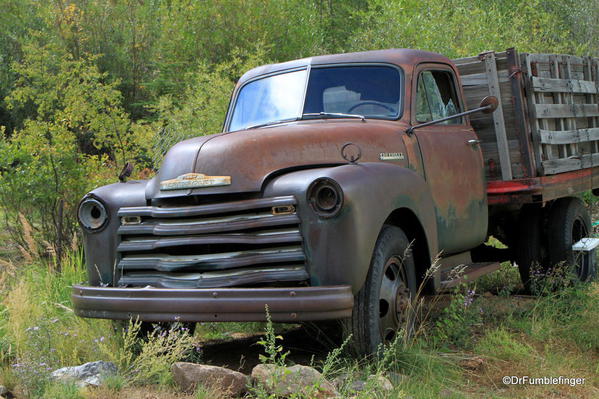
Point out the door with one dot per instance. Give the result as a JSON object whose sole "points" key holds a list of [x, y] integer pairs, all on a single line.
{"points": [[453, 162]]}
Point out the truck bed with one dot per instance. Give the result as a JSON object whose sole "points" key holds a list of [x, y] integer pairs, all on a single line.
{"points": [[544, 137]]}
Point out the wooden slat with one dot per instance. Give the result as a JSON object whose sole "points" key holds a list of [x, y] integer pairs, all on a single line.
{"points": [[541, 85], [502, 145], [548, 58], [477, 79], [571, 123], [557, 130], [520, 126], [569, 136], [562, 165], [534, 123], [566, 110]]}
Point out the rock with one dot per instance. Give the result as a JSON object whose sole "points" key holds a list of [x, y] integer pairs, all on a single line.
{"points": [[339, 381], [382, 382], [295, 380], [3, 390], [88, 374], [473, 363], [396, 378], [190, 375]]}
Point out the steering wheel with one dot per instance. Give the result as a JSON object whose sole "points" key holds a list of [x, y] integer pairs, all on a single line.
{"points": [[370, 102]]}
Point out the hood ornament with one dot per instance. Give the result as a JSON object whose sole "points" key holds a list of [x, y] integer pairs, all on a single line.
{"points": [[194, 180], [351, 152]]}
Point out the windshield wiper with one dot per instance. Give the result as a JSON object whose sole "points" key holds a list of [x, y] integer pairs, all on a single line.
{"points": [[335, 115], [272, 123]]}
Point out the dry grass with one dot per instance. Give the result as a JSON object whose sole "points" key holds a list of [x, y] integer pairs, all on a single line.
{"points": [[147, 392]]}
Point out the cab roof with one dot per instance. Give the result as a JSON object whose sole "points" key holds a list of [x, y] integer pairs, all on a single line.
{"points": [[397, 57]]}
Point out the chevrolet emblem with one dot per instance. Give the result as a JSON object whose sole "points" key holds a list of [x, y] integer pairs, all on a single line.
{"points": [[194, 180]]}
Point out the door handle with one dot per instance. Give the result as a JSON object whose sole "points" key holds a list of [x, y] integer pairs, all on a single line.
{"points": [[474, 142]]}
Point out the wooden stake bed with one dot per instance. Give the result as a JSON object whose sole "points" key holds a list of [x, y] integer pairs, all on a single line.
{"points": [[547, 123]]}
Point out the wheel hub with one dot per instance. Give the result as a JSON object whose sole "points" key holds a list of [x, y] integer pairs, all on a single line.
{"points": [[394, 299]]}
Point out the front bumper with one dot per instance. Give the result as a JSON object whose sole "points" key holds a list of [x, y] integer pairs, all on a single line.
{"points": [[218, 304]]}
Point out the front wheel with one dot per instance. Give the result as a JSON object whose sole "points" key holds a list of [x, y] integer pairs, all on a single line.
{"points": [[382, 308]]}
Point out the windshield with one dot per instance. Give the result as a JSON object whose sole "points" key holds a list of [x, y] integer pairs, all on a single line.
{"points": [[348, 91]]}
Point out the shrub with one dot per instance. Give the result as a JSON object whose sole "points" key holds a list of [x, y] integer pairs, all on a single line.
{"points": [[75, 128], [149, 360], [201, 109], [454, 326]]}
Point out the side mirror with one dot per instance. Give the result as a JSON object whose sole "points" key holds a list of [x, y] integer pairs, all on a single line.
{"points": [[126, 172], [487, 105]]}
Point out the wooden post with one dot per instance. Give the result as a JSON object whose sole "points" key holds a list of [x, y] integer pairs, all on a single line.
{"points": [[502, 143]]}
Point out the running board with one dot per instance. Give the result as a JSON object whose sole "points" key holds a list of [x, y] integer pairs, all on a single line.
{"points": [[471, 272]]}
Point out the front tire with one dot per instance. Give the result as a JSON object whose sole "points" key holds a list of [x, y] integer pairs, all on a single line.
{"points": [[383, 306]]}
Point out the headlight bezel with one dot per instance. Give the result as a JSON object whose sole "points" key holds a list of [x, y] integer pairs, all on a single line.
{"points": [[92, 214], [325, 197]]}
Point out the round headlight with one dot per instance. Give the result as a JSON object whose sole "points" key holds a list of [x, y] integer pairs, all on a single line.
{"points": [[325, 197], [92, 214]]}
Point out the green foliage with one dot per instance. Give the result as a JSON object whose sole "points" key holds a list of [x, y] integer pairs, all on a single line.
{"points": [[503, 282], [148, 360], [202, 107], [61, 390], [461, 28], [40, 333], [75, 128], [86, 86], [274, 351], [455, 325]]}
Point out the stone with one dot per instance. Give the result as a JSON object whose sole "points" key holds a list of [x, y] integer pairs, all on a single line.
{"points": [[88, 374], [3, 390], [396, 378], [472, 363], [294, 380], [382, 383], [189, 375]]}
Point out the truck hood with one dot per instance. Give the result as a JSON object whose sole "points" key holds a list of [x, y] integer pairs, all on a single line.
{"points": [[250, 156]]}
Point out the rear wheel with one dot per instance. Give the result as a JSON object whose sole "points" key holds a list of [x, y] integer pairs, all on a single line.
{"points": [[544, 243], [530, 251], [382, 308], [568, 222]]}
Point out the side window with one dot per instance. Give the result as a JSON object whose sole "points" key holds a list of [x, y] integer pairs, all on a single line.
{"points": [[436, 97]]}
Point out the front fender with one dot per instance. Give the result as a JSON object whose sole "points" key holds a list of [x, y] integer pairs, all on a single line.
{"points": [[339, 249], [100, 247]]}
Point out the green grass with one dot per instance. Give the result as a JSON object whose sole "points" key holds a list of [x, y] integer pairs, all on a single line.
{"points": [[556, 334]]}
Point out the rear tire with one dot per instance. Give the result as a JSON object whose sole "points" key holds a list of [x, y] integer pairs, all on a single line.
{"points": [[383, 305], [530, 251], [569, 221]]}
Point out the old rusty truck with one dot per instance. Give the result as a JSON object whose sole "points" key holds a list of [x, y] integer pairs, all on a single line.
{"points": [[336, 182]]}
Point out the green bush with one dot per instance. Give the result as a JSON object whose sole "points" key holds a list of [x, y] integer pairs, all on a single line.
{"points": [[76, 137], [455, 325]]}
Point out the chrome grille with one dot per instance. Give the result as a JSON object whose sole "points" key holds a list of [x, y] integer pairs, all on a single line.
{"points": [[236, 243]]}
